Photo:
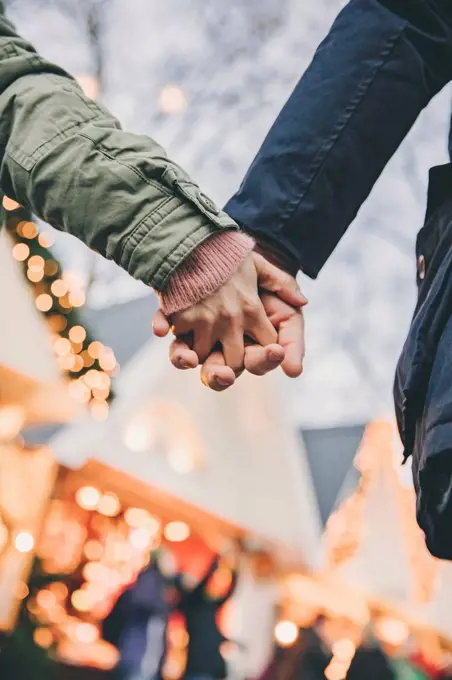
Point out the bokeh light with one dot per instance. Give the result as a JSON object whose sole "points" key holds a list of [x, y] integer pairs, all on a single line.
{"points": [[24, 542], [176, 532], [286, 633], [88, 497], [109, 505]]}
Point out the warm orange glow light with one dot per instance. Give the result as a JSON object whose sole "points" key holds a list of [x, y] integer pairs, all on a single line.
{"points": [[95, 348], [78, 364], [43, 637], [77, 333], [99, 410], [22, 591], [178, 637], [12, 419], [44, 302], [93, 550], [93, 379], [286, 633], [97, 572], [77, 298], [109, 505], [21, 251], [86, 633], [57, 323], [3, 535], [181, 460], [88, 497], [35, 276], [392, 631], [46, 239], [79, 391], [140, 539], [45, 599], [172, 99], [336, 671], [36, 263], [59, 288], [66, 363], [137, 517], [29, 230], [62, 346], [24, 542], [344, 650], [176, 532], [60, 590], [107, 360], [9, 204], [51, 267], [137, 437], [81, 600]]}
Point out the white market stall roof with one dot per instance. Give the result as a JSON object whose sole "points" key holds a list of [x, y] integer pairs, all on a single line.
{"points": [[234, 455], [29, 376]]}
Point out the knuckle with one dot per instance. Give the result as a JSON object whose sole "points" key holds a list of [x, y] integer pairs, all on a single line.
{"points": [[224, 313], [206, 317], [230, 313], [286, 279], [234, 316], [252, 308]]}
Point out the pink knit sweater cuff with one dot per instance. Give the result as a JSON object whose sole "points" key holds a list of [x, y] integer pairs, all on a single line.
{"points": [[205, 270]]}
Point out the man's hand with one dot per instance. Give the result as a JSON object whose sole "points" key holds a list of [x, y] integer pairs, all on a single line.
{"points": [[259, 360], [286, 318]]}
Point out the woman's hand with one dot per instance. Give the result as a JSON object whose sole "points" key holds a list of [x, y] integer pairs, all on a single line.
{"points": [[227, 317], [289, 323], [279, 307]]}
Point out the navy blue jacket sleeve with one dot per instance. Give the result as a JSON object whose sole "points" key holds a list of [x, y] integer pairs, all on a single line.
{"points": [[379, 66]]}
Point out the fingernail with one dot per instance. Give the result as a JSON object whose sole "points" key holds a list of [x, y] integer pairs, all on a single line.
{"points": [[222, 381], [274, 356], [183, 364]]}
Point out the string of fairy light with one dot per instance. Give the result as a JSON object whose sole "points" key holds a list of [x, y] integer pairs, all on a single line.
{"points": [[87, 363], [98, 561]]}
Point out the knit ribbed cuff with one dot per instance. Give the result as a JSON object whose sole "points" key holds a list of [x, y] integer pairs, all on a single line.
{"points": [[205, 270]]}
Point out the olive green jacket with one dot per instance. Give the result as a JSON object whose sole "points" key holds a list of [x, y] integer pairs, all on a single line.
{"points": [[66, 159]]}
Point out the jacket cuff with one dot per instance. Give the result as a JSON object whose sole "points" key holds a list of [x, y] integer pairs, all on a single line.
{"points": [[205, 270]]}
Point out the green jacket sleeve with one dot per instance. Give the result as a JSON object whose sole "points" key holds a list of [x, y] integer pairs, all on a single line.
{"points": [[66, 159]]}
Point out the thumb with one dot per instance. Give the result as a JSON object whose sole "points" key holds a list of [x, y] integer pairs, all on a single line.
{"points": [[160, 324], [275, 280]]}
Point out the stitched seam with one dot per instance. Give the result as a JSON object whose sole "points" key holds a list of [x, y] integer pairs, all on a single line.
{"points": [[9, 49], [150, 182], [180, 246], [64, 133], [70, 85], [336, 135], [153, 216]]}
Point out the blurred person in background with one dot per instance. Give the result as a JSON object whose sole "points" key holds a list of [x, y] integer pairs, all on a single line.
{"points": [[201, 607], [137, 624], [309, 658]]}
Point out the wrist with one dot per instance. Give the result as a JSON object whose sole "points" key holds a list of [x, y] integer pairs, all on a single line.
{"points": [[208, 268], [271, 251]]}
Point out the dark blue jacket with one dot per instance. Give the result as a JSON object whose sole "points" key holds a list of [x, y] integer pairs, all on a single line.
{"points": [[379, 66], [126, 627], [423, 384], [204, 658]]}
